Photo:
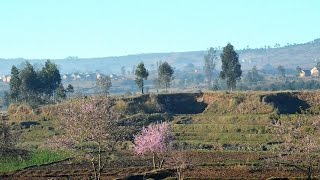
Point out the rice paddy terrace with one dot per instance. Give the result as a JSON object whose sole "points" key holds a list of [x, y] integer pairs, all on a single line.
{"points": [[222, 134]]}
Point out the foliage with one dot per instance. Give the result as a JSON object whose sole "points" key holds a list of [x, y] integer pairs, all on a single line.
{"points": [[209, 65], [32, 86], [104, 84], [61, 93], [253, 76], [15, 84], [141, 74], [165, 75], [318, 65], [29, 82], [121, 106], [123, 70], [7, 138], [6, 98], [87, 122], [154, 139], [231, 68], [300, 145], [298, 70], [298, 84], [49, 77], [282, 71], [69, 89], [36, 158]]}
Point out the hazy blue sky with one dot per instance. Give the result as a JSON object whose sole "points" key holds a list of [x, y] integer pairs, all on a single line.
{"points": [[93, 28]]}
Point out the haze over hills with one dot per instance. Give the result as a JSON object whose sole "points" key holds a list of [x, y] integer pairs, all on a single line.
{"points": [[290, 56]]}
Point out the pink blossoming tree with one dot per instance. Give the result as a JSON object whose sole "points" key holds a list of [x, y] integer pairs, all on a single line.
{"points": [[153, 140], [86, 122]]}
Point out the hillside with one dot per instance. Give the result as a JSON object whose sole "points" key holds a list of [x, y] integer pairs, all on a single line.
{"points": [[303, 55], [220, 132]]}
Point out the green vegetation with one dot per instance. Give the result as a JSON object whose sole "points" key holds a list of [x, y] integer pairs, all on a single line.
{"points": [[231, 67], [35, 87], [253, 76], [141, 74], [282, 71], [165, 75], [104, 84], [216, 129], [209, 65], [34, 158]]}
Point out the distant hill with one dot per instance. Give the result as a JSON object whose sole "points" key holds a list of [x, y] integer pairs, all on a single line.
{"points": [[304, 55]]}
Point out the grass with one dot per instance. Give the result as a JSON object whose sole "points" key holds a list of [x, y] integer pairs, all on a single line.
{"points": [[35, 158]]}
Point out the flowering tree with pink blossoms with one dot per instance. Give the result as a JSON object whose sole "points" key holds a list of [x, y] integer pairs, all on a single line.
{"points": [[153, 140], [86, 122]]}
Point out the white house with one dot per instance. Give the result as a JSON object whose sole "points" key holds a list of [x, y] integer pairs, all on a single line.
{"points": [[314, 71]]}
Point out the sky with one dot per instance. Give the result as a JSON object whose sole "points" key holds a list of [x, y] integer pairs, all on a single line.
{"points": [[98, 28]]}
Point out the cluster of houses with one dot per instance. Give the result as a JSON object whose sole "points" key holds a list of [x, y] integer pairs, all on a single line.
{"points": [[72, 77], [314, 72], [5, 78], [87, 76]]}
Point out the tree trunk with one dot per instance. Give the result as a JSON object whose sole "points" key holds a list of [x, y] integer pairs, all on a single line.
{"points": [[99, 162], [309, 173], [161, 163], [153, 161], [94, 170], [141, 90]]}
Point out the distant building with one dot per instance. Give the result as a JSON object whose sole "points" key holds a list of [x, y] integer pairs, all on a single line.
{"points": [[308, 73], [113, 76], [6, 79], [305, 73], [64, 77], [98, 76], [314, 71]]}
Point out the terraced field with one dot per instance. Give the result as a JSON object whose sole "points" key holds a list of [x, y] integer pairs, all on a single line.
{"points": [[229, 132], [222, 134]]}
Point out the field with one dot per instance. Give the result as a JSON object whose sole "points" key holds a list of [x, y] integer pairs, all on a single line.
{"points": [[220, 135]]}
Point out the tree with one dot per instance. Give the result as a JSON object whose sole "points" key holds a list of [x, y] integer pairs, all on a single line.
{"points": [[6, 99], [61, 93], [209, 65], [7, 138], [104, 83], [87, 122], [69, 89], [123, 70], [165, 75], [180, 160], [282, 71], [15, 84], [50, 77], [231, 68], [253, 75], [299, 144], [34, 86], [29, 82], [318, 65], [298, 70], [154, 139], [141, 74]]}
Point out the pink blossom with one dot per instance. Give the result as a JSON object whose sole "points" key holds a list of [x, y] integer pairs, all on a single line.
{"points": [[153, 139]]}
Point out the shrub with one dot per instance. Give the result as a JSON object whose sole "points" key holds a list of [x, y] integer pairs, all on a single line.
{"points": [[121, 106]]}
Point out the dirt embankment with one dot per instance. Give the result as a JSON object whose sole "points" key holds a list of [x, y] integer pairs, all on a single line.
{"points": [[180, 103], [194, 103], [262, 102], [224, 103]]}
